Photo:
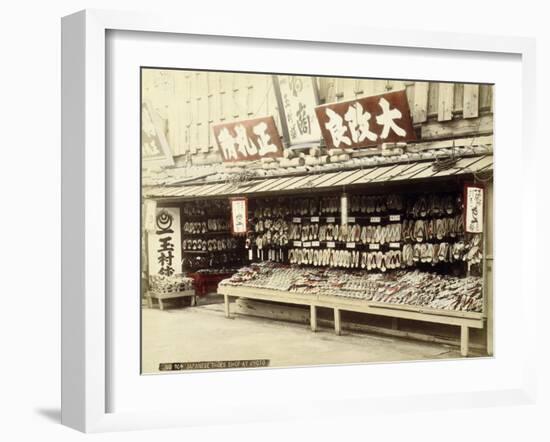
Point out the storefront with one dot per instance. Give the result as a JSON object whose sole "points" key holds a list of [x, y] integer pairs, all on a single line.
{"points": [[402, 232]]}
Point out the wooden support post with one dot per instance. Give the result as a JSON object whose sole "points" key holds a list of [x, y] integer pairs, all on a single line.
{"points": [[464, 338], [313, 318], [226, 301], [193, 301], [337, 322], [394, 324], [161, 305], [149, 300]]}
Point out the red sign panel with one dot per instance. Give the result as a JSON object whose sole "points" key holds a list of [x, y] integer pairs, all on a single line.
{"points": [[248, 139], [367, 121]]}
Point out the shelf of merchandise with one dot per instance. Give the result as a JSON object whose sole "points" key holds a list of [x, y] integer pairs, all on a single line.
{"points": [[463, 319]]}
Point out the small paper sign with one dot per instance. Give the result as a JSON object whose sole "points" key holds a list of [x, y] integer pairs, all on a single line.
{"points": [[394, 245], [296, 220], [315, 243], [374, 246], [297, 243], [374, 219], [350, 245], [351, 219], [473, 211], [330, 219], [307, 244], [239, 216], [314, 219], [331, 244], [395, 217]]}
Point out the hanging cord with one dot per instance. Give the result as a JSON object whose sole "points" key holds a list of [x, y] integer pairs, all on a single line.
{"points": [[447, 163]]}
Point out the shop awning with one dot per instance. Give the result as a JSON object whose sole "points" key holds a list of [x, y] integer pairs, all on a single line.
{"points": [[420, 170]]}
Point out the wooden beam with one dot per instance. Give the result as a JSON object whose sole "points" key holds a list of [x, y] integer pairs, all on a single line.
{"points": [[313, 318], [337, 322], [226, 302], [464, 340], [440, 316], [282, 312], [458, 128]]}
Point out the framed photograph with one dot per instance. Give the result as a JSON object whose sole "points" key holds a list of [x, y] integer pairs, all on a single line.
{"points": [[223, 220]]}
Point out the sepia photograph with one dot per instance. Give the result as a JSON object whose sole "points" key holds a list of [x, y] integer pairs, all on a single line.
{"points": [[300, 221]]}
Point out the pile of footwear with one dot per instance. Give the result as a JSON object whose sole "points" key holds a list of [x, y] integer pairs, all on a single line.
{"points": [[170, 284], [377, 204], [210, 245], [204, 207], [426, 289], [349, 259]]}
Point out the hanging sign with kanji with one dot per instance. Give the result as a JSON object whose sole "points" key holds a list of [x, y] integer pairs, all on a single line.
{"points": [[366, 122], [248, 139], [239, 216], [164, 245], [298, 99], [473, 208]]}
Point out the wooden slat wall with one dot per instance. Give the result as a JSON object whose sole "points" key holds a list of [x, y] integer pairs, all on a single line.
{"points": [[458, 98], [191, 102], [420, 109], [433, 99], [445, 102], [485, 97], [471, 100]]}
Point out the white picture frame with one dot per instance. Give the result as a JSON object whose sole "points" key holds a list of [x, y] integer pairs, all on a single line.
{"points": [[86, 215]]}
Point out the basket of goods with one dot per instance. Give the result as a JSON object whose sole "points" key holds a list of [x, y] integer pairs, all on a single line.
{"points": [[170, 284]]}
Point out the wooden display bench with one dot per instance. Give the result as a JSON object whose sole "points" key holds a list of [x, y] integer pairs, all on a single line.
{"points": [[462, 319], [170, 295]]}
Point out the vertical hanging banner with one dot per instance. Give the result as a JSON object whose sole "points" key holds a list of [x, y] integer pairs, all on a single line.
{"points": [[473, 208], [248, 139], [367, 122], [298, 97], [154, 147], [239, 216], [150, 215], [165, 243]]}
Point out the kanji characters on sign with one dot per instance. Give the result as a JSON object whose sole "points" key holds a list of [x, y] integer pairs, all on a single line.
{"points": [[298, 99], [164, 255], [366, 121], [249, 139], [473, 209]]}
